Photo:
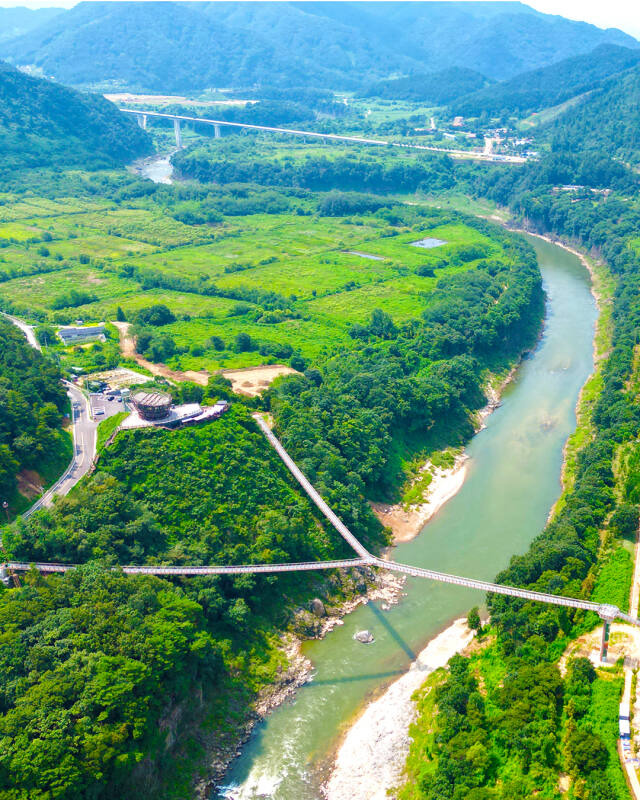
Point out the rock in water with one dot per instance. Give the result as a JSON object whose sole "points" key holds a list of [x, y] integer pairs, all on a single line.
{"points": [[366, 637]]}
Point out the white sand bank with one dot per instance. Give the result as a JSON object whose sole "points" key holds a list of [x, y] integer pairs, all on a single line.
{"points": [[372, 757]]}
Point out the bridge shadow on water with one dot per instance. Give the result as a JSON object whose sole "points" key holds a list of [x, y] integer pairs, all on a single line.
{"points": [[397, 638]]}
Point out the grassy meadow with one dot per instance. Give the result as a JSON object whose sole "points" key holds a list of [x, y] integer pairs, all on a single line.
{"points": [[330, 272]]}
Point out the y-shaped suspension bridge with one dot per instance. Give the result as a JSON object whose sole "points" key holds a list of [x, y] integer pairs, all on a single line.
{"points": [[608, 613]]}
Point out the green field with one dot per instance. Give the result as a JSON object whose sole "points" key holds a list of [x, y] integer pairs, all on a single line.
{"points": [[329, 272]]}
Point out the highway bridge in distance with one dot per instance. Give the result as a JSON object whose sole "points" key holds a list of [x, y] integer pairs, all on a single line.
{"points": [[608, 613], [143, 116]]}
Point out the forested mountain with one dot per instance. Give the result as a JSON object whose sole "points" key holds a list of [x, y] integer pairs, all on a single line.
{"points": [[608, 119], [551, 85], [44, 124], [32, 400], [16, 21], [199, 45], [436, 88]]}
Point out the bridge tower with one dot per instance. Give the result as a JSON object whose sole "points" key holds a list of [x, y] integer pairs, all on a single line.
{"points": [[142, 121], [177, 131], [216, 132], [607, 614]]}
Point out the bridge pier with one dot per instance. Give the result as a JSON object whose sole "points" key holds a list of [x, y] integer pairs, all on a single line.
{"points": [[177, 132], [142, 121], [216, 132]]}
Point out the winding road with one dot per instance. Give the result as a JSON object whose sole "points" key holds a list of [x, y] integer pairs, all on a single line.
{"points": [[84, 433]]}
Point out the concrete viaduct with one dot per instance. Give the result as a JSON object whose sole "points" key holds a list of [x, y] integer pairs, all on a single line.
{"points": [[143, 117], [608, 613]]}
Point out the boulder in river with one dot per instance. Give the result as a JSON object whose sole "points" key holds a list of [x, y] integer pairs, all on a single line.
{"points": [[366, 637]]}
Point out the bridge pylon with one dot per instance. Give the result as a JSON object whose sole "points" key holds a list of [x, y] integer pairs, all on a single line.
{"points": [[607, 614], [177, 132]]}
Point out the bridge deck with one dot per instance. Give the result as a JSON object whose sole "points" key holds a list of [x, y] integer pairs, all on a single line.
{"points": [[473, 154]]}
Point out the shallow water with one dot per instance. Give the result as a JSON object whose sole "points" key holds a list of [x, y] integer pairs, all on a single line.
{"points": [[428, 243], [513, 479], [158, 170]]}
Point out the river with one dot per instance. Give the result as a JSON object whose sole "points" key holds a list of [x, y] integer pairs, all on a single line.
{"points": [[513, 480], [156, 168]]}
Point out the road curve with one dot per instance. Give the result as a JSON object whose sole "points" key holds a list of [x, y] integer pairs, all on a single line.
{"points": [[84, 450], [84, 433], [26, 329]]}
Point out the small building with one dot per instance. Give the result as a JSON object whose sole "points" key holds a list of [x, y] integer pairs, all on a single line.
{"points": [[220, 408], [625, 729], [625, 711], [458, 122], [152, 405], [71, 335]]}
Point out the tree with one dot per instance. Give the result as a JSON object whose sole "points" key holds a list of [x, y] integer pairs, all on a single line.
{"points": [[120, 315], [473, 620], [585, 751]]}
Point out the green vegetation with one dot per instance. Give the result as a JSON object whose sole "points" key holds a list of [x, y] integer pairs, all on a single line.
{"points": [[132, 652], [33, 401], [43, 124], [437, 88], [107, 427], [585, 550], [550, 85], [493, 729]]}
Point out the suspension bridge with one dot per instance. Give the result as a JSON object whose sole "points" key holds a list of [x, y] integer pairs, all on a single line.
{"points": [[608, 613]]}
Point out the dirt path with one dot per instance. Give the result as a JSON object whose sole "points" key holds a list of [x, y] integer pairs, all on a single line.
{"points": [[128, 350]]}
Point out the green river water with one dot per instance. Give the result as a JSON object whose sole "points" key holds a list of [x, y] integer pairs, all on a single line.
{"points": [[512, 481]]}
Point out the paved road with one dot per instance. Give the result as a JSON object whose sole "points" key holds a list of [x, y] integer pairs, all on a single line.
{"points": [[84, 449], [26, 329], [84, 434]]}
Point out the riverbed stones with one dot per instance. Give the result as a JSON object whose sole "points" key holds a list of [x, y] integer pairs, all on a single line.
{"points": [[366, 637]]}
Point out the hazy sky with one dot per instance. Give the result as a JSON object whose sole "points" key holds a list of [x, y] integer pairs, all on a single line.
{"points": [[603, 13]]}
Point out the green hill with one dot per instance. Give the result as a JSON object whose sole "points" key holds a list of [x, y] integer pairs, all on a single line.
{"points": [[549, 86], [607, 120], [436, 88], [32, 399], [43, 124], [19, 20], [335, 45]]}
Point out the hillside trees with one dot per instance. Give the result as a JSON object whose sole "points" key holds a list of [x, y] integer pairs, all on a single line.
{"points": [[32, 400]]}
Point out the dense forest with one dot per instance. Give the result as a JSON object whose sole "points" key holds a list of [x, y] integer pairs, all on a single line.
{"points": [[33, 400], [106, 679], [436, 88], [233, 162], [606, 120], [548, 86], [44, 124]]}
